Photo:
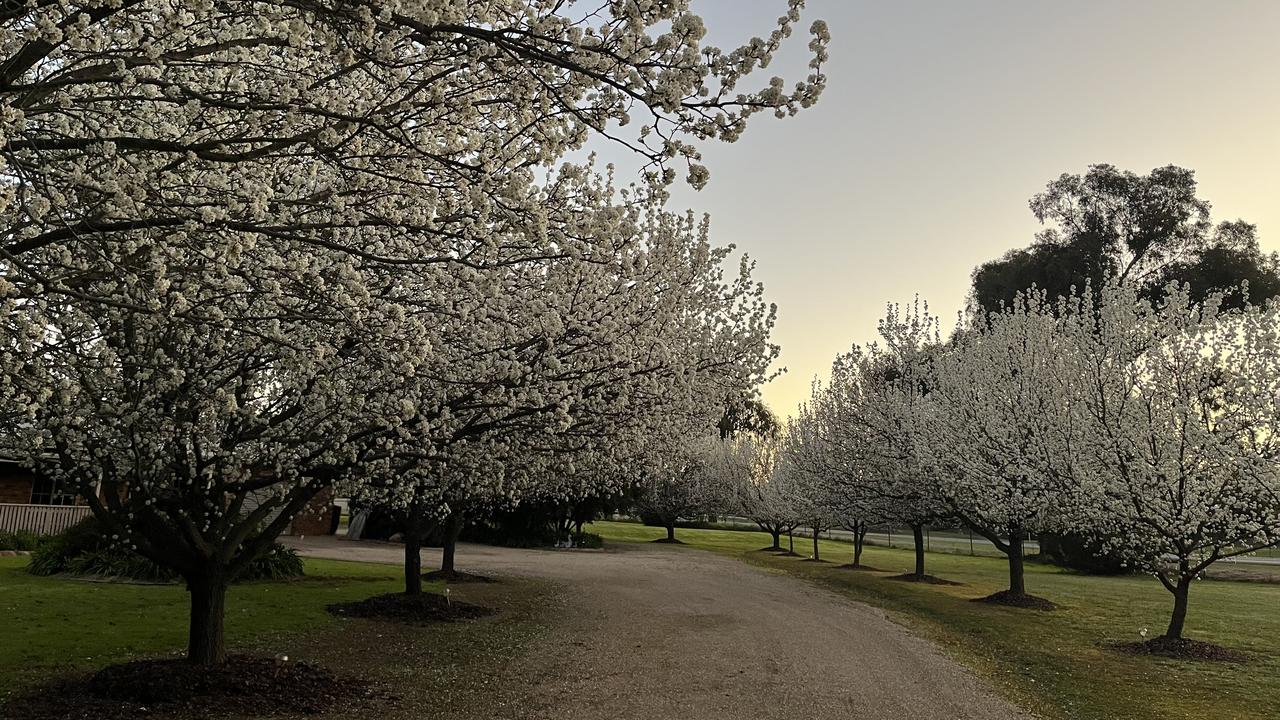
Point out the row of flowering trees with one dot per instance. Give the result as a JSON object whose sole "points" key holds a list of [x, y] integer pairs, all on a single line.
{"points": [[250, 250], [1150, 426]]}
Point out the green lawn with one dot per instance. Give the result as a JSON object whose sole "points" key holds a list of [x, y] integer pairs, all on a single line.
{"points": [[1054, 663], [57, 624]]}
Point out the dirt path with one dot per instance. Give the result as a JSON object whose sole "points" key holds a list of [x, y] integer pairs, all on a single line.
{"points": [[670, 632]]}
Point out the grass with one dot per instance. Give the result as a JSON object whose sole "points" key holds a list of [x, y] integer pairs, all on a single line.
{"points": [[55, 624], [1057, 664]]}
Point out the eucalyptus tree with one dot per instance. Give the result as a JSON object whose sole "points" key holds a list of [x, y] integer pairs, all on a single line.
{"points": [[1142, 230]]}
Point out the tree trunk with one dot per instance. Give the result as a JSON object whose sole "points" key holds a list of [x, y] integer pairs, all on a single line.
{"points": [[917, 533], [791, 542], [671, 532], [206, 640], [1017, 582], [1181, 591], [413, 562], [815, 544], [777, 539], [452, 529], [859, 538]]}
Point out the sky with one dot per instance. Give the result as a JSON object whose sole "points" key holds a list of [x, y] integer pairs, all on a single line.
{"points": [[940, 121]]}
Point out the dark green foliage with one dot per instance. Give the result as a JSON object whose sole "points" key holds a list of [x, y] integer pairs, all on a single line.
{"points": [[1146, 230], [277, 563], [20, 540], [589, 541], [1079, 553], [83, 550], [540, 524], [80, 540], [507, 531], [747, 415]]}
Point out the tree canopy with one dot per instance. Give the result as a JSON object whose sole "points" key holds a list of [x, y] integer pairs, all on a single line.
{"points": [[1146, 230]]}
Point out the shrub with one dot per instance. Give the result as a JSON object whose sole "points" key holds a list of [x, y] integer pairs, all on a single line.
{"points": [[277, 563], [590, 541], [1079, 553], [83, 550], [20, 540]]}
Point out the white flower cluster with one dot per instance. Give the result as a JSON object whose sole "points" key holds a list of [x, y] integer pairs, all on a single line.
{"points": [[1150, 426], [253, 250]]}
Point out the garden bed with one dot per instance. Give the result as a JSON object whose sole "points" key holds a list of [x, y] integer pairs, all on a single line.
{"points": [[1182, 649], [456, 577], [411, 609], [1017, 600], [930, 580], [173, 688]]}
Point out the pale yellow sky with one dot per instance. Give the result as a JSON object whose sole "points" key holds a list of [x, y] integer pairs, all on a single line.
{"points": [[940, 121]]}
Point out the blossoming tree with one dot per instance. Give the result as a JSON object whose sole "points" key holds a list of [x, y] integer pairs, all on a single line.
{"points": [[242, 245], [1180, 466], [875, 399], [749, 464], [1000, 429]]}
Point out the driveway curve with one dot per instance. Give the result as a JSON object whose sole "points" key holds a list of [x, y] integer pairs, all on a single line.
{"points": [[652, 631]]}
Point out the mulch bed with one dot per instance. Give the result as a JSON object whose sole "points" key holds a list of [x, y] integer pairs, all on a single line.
{"points": [[859, 567], [816, 560], [456, 576], [930, 580], [1008, 599], [669, 541], [1182, 649], [772, 549], [421, 609], [173, 688]]}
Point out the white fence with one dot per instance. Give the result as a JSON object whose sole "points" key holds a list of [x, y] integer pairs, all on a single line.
{"points": [[40, 519]]}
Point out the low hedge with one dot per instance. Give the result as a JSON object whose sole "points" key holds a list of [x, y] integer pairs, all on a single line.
{"points": [[21, 540], [84, 550]]}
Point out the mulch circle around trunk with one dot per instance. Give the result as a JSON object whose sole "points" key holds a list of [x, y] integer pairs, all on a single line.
{"points": [[859, 567], [1182, 649], [412, 609], [174, 688], [930, 580], [456, 577], [669, 541], [1017, 600], [771, 549]]}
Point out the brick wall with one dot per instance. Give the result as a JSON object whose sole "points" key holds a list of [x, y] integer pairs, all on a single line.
{"points": [[15, 483], [315, 518]]}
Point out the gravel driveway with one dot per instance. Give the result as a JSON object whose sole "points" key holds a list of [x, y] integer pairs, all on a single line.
{"points": [[652, 631]]}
